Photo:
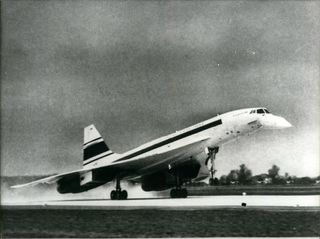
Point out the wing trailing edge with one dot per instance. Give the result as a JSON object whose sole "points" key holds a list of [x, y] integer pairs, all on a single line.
{"points": [[50, 179]]}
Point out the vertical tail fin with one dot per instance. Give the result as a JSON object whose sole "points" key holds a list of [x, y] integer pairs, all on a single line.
{"points": [[94, 146]]}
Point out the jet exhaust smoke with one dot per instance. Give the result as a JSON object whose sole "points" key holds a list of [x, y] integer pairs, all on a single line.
{"points": [[48, 192]]}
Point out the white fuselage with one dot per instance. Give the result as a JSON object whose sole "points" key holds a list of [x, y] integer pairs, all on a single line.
{"points": [[217, 130]]}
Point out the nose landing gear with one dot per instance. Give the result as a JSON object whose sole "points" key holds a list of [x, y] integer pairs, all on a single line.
{"points": [[118, 194], [210, 162]]}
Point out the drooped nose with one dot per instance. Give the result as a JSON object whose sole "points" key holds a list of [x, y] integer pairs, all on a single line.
{"points": [[275, 122], [282, 123]]}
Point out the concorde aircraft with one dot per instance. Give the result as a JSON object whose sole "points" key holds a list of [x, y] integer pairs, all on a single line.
{"points": [[167, 162]]}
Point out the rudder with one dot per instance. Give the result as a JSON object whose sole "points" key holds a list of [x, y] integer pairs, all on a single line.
{"points": [[94, 146]]}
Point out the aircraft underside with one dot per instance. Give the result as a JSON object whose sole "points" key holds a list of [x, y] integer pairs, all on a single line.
{"points": [[196, 168]]}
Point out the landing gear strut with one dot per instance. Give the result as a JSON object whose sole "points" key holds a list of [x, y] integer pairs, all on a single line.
{"points": [[178, 192], [118, 194], [210, 162]]}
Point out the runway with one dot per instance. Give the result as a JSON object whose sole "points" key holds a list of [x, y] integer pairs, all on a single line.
{"points": [[196, 216], [192, 202]]}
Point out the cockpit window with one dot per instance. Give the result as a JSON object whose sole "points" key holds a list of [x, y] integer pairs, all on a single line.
{"points": [[260, 111]]}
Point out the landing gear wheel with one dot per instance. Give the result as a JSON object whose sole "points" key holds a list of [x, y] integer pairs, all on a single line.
{"points": [[173, 193], [123, 194], [113, 194], [178, 193], [184, 193], [118, 194], [211, 181]]}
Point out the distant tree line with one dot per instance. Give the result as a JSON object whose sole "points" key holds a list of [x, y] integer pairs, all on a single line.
{"points": [[243, 176]]}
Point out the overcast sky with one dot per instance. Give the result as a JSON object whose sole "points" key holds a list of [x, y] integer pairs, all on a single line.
{"points": [[140, 70]]}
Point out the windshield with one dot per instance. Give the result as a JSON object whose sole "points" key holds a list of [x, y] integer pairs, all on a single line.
{"points": [[260, 111]]}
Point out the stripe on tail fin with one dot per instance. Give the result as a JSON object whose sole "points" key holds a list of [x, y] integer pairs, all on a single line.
{"points": [[94, 146]]}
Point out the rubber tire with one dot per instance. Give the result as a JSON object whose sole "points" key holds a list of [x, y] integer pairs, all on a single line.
{"points": [[184, 193], [173, 193], [113, 195], [211, 181], [123, 195]]}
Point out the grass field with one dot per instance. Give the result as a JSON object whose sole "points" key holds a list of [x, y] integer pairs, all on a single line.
{"points": [[231, 222]]}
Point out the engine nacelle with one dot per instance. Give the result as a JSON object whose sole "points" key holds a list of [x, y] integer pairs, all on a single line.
{"points": [[70, 184], [166, 179], [157, 181], [83, 182]]}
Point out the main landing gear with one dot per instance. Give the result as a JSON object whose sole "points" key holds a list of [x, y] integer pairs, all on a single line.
{"points": [[178, 192], [118, 194], [210, 162]]}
